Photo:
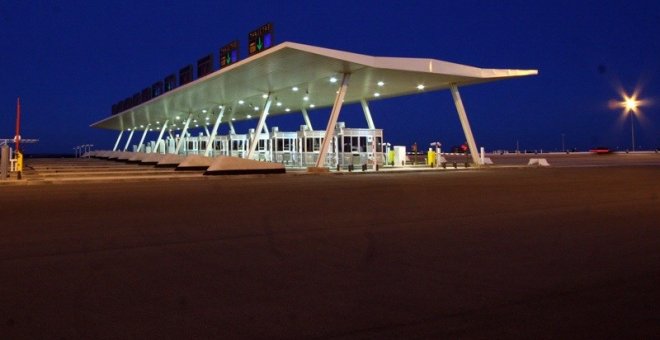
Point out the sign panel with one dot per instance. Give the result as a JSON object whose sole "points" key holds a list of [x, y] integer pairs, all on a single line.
{"points": [[229, 54], [170, 82], [156, 89], [204, 66], [260, 39], [186, 75], [146, 94]]}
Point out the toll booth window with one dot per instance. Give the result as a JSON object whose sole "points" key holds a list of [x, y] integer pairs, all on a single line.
{"points": [[279, 146], [379, 144], [363, 144], [202, 145], [314, 144], [190, 145], [218, 145], [347, 144], [261, 145]]}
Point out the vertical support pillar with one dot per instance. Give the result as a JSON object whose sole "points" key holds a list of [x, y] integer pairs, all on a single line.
{"points": [[465, 124], [128, 142], [160, 137], [367, 114], [214, 132], [306, 118], [182, 139], [260, 127], [332, 122], [118, 139], [144, 134]]}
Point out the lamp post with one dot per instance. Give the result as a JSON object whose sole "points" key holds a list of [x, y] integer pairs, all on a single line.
{"points": [[631, 104]]}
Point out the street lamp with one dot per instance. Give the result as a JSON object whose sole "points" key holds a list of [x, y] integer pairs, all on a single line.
{"points": [[631, 104]]}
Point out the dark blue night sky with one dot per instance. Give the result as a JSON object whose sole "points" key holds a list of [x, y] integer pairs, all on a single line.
{"points": [[69, 61]]}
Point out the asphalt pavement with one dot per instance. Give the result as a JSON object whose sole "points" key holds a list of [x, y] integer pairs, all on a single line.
{"points": [[493, 253]]}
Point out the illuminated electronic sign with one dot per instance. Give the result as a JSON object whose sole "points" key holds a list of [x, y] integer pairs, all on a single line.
{"points": [[170, 82], [185, 75], [135, 101], [146, 94], [260, 39], [156, 89], [204, 66], [229, 54]]}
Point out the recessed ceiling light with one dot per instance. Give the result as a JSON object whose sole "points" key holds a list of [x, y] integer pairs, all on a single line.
{"points": [[256, 108], [312, 106], [203, 111], [233, 119], [376, 94], [240, 102], [141, 126], [380, 83], [264, 96], [195, 121], [219, 106], [177, 117], [249, 116], [333, 80], [305, 98], [196, 125], [420, 87], [129, 129], [294, 89], [287, 109], [279, 104]]}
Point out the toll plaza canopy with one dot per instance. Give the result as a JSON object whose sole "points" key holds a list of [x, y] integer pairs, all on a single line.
{"points": [[296, 77]]}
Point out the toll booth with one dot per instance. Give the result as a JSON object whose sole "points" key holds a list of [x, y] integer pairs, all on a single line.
{"points": [[170, 145], [195, 145], [310, 146], [238, 145], [263, 150], [360, 146], [284, 147], [220, 146]]}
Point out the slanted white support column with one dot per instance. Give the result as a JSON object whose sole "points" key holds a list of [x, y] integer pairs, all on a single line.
{"points": [[160, 137], [144, 134], [265, 130], [306, 118], [260, 127], [207, 131], [209, 144], [183, 134], [128, 142], [367, 114], [118, 139], [466, 124], [334, 115], [231, 127]]}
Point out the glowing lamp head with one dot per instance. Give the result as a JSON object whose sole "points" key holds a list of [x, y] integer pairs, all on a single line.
{"points": [[631, 104]]}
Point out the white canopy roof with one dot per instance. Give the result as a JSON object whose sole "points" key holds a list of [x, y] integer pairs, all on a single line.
{"points": [[315, 72]]}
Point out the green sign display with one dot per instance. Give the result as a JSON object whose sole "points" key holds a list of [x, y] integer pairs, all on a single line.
{"points": [[229, 54], [260, 39]]}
